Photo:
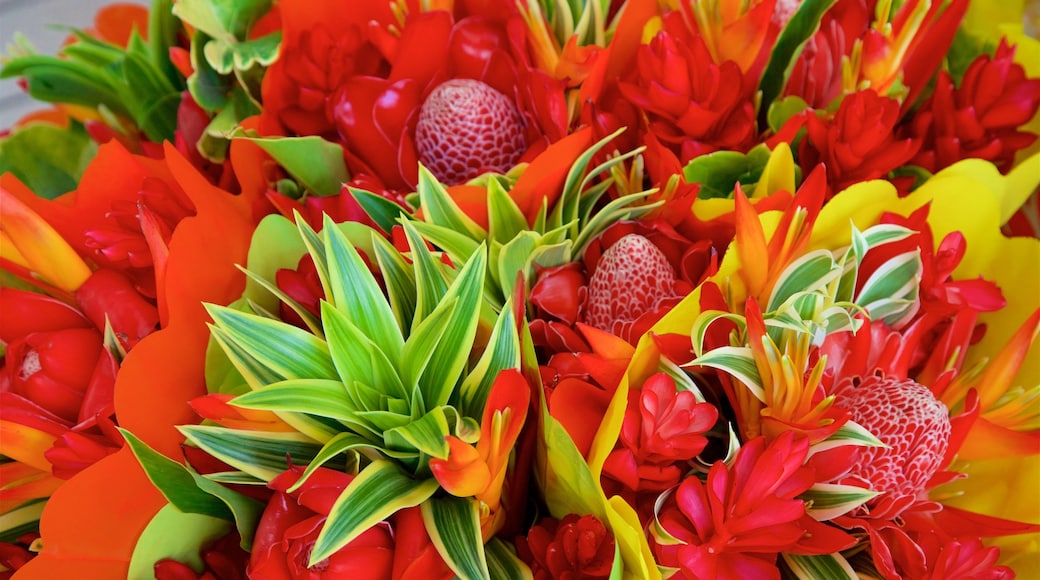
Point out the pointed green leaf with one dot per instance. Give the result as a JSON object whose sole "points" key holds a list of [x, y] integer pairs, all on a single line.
{"points": [[454, 527], [220, 18], [322, 397], [440, 209], [48, 159], [193, 493], [502, 352], [423, 342], [824, 567], [381, 210], [310, 321], [289, 351], [261, 454], [504, 564], [339, 444], [376, 493], [357, 357], [456, 244], [736, 361], [316, 163], [826, 501], [851, 433], [806, 274], [399, 280], [255, 374], [442, 373], [505, 220], [425, 435], [798, 30], [429, 281]]}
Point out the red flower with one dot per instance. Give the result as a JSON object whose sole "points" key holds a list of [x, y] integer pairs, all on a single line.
{"points": [[857, 144], [662, 431], [980, 118], [691, 104], [734, 524], [655, 265], [224, 559], [817, 73], [376, 116], [291, 522], [574, 547], [56, 383], [324, 43]]}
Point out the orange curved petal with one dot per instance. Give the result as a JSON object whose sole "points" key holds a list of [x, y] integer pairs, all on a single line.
{"points": [[113, 501], [543, 179], [463, 473], [25, 444]]}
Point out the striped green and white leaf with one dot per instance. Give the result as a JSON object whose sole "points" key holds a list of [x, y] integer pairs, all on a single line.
{"points": [[439, 208], [261, 454], [454, 527], [357, 357], [736, 361], [851, 433], [501, 352], [321, 397], [808, 273], [826, 501], [380, 490], [824, 567], [503, 563], [890, 293]]}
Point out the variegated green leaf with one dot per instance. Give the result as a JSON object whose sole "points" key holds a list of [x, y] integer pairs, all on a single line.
{"points": [[619, 209], [427, 435], [399, 280], [338, 445], [505, 220], [193, 493], [357, 357], [21, 520], [736, 361], [357, 295], [442, 373], [289, 351], [376, 493], [503, 562], [806, 274], [430, 284], [502, 352], [851, 433], [515, 256], [419, 348], [439, 208], [454, 527], [311, 321], [824, 567], [316, 248], [897, 278], [381, 210], [322, 397], [703, 322], [458, 245], [826, 501], [880, 234], [255, 374], [261, 454]]}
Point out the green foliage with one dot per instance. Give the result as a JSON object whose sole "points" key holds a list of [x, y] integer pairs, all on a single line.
{"points": [[134, 83], [719, 172], [48, 159]]}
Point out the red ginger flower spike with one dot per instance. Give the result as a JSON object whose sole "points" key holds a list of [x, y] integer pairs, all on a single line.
{"points": [[467, 128], [632, 276], [574, 547], [907, 417]]}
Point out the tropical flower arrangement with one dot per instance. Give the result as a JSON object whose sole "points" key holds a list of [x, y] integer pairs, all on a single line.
{"points": [[492, 289]]}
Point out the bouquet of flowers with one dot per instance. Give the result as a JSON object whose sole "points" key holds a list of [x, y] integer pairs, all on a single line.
{"points": [[524, 289]]}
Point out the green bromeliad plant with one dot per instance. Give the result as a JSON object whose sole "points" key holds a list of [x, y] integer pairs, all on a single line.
{"points": [[397, 379]]}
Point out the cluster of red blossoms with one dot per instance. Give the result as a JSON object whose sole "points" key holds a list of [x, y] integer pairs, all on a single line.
{"points": [[725, 313]]}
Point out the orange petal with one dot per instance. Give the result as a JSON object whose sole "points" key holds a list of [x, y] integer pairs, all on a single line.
{"points": [[39, 246], [92, 523], [1001, 371], [751, 244], [463, 473], [990, 441], [25, 444], [544, 177]]}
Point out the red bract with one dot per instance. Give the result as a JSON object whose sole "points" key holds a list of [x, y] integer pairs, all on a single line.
{"points": [[662, 431], [324, 43], [858, 143], [981, 118], [817, 73], [913, 424], [376, 117], [631, 292], [291, 522], [574, 547], [691, 104], [222, 560], [734, 524], [302, 285]]}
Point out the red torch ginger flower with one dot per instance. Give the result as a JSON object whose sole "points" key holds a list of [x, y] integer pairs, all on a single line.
{"points": [[915, 425], [574, 547], [692, 105], [980, 118], [632, 276], [663, 429], [857, 144], [734, 524], [466, 128]]}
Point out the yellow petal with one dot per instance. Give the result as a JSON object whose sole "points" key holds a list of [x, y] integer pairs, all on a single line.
{"points": [[42, 248], [25, 444], [778, 174]]}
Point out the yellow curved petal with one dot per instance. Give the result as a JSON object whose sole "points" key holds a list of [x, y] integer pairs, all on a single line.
{"points": [[41, 247], [25, 444], [778, 174]]}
